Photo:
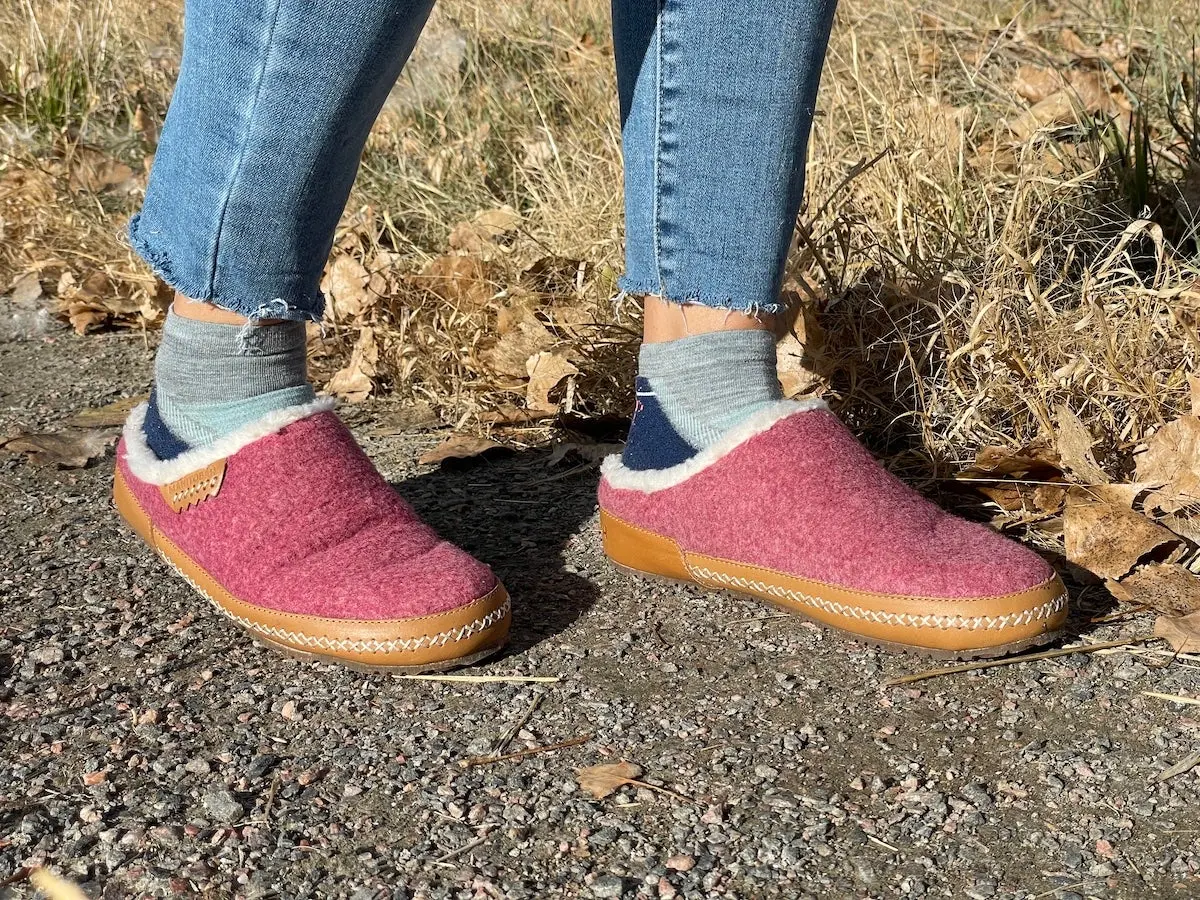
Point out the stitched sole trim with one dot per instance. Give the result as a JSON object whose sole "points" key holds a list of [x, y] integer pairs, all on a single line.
{"points": [[1047, 610], [1020, 620], [349, 645]]}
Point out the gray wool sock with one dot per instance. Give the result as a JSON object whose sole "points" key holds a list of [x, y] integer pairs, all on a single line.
{"points": [[708, 383], [211, 379]]}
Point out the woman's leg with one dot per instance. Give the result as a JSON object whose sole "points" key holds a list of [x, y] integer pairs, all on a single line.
{"points": [[234, 473], [716, 107], [258, 153], [721, 482]]}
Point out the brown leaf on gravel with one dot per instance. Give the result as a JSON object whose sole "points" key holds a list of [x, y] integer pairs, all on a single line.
{"points": [[1168, 588], [546, 370], [1108, 539], [354, 382], [107, 416], [70, 449], [1171, 461], [1181, 632], [1074, 443], [93, 778], [460, 447], [602, 780]]}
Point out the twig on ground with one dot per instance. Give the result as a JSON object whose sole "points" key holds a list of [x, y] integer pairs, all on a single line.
{"points": [[519, 754], [505, 739], [465, 848], [884, 844], [1008, 661]]}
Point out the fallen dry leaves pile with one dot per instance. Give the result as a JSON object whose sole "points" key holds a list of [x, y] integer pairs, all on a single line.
{"points": [[1139, 538]]}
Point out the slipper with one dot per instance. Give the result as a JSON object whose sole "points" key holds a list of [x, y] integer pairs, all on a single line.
{"points": [[288, 530], [789, 508]]}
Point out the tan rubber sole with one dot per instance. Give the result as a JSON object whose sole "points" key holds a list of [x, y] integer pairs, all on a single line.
{"points": [[645, 554], [206, 586]]}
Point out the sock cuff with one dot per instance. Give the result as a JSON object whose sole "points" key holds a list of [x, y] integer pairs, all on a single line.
{"points": [[205, 339], [697, 351]]}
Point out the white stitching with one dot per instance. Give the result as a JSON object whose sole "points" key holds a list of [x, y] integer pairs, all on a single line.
{"points": [[343, 645], [972, 623], [198, 487]]}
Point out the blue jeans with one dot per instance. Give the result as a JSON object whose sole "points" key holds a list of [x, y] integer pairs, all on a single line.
{"points": [[275, 99]]}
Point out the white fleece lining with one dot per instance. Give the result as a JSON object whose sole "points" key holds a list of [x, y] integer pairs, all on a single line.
{"points": [[648, 481], [147, 467]]}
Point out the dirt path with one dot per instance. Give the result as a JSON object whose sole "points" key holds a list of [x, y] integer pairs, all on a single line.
{"points": [[227, 769]]}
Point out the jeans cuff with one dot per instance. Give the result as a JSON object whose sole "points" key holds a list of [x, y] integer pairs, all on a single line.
{"points": [[306, 308]]}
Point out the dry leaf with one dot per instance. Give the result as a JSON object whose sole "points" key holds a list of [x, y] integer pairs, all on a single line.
{"points": [[1194, 392], [545, 370], [354, 382], [93, 778], [1074, 444], [464, 281], [929, 59], [95, 172], [497, 222], [1035, 461], [1168, 588], [460, 447], [522, 335], [1107, 538], [346, 284], [69, 449], [602, 780], [1036, 83], [1181, 632], [112, 414], [1171, 460], [800, 356], [1057, 109]]}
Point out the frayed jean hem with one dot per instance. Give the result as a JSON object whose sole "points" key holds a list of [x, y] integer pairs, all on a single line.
{"points": [[749, 306], [306, 308]]}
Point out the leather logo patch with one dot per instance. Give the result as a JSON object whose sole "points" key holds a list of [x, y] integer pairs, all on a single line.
{"points": [[195, 487]]}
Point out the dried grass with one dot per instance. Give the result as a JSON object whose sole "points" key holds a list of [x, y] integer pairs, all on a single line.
{"points": [[972, 259]]}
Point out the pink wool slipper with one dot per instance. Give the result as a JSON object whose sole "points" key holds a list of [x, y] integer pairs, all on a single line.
{"points": [[791, 509], [286, 527]]}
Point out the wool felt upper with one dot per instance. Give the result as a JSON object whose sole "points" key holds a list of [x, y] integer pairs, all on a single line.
{"points": [[804, 497], [304, 524]]}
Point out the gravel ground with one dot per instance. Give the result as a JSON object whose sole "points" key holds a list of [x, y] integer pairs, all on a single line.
{"points": [[227, 770]]}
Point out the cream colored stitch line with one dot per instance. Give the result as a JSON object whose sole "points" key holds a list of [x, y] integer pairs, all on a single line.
{"points": [[973, 623], [204, 485], [355, 646]]}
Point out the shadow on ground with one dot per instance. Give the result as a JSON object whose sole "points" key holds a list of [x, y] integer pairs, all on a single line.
{"points": [[518, 514]]}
